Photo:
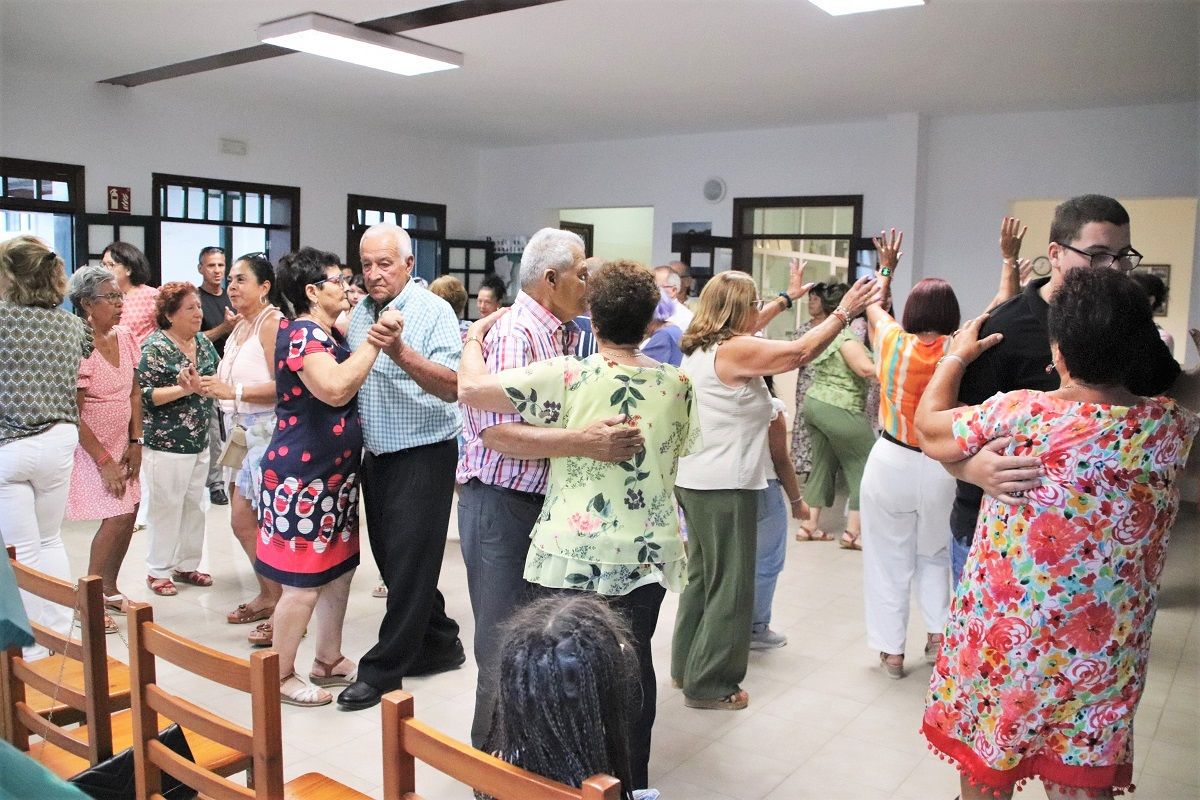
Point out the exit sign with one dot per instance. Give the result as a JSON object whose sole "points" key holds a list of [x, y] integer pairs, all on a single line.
{"points": [[118, 200]]}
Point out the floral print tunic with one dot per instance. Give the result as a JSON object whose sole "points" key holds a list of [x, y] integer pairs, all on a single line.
{"points": [[180, 426], [1045, 652], [608, 528]]}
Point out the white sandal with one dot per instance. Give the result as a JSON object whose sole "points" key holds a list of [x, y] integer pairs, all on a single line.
{"points": [[307, 696]]}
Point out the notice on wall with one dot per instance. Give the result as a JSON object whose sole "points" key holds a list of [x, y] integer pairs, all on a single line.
{"points": [[119, 200]]}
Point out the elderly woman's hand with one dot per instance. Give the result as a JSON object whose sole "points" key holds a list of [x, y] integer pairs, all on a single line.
{"points": [[480, 328], [211, 386], [113, 475], [797, 288], [863, 293], [967, 345], [888, 247], [189, 379]]}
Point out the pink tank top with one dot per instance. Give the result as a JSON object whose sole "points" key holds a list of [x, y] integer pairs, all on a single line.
{"points": [[246, 363]]}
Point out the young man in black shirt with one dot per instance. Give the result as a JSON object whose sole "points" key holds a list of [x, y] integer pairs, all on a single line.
{"points": [[1090, 231], [218, 320]]}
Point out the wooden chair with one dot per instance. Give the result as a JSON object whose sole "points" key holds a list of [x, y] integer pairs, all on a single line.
{"points": [[61, 668], [263, 741], [406, 739]]}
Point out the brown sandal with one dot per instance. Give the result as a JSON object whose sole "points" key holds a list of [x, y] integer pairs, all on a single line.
{"points": [[263, 634], [850, 541], [193, 578], [110, 624], [812, 535], [733, 702], [161, 586], [244, 614], [323, 674]]}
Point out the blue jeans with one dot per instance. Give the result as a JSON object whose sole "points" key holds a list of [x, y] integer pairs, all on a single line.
{"points": [[958, 559], [772, 547]]}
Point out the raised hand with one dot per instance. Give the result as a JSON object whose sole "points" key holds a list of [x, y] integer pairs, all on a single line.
{"points": [[887, 245], [863, 293], [1011, 235], [797, 288]]}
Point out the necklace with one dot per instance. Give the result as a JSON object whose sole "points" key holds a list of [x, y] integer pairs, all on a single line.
{"points": [[631, 353]]}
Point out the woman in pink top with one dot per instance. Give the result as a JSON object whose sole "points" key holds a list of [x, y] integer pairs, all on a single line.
{"points": [[132, 270], [245, 386]]}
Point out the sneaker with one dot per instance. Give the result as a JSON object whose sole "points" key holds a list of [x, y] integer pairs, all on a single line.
{"points": [[217, 496], [767, 639]]}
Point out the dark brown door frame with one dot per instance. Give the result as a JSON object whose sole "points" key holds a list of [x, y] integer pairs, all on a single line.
{"points": [[744, 247]]}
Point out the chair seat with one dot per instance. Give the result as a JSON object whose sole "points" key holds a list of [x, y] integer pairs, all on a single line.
{"points": [[69, 672], [215, 756], [315, 786]]}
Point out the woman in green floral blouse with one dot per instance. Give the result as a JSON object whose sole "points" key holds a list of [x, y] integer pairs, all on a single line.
{"points": [[175, 425], [605, 528]]}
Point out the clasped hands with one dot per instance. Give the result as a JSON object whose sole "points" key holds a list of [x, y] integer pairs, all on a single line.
{"points": [[385, 334]]}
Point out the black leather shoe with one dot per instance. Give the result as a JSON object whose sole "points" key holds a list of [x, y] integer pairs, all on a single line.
{"points": [[218, 497], [454, 658], [359, 695]]}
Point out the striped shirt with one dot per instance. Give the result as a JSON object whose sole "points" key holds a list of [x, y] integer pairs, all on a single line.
{"points": [[395, 412], [904, 365], [526, 334]]}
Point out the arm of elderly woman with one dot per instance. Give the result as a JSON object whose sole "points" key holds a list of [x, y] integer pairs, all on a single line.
{"points": [[336, 384], [111, 473], [796, 289], [745, 357], [935, 412]]}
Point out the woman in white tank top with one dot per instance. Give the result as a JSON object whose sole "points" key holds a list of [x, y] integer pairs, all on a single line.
{"points": [[245, 386], [718, 487]]}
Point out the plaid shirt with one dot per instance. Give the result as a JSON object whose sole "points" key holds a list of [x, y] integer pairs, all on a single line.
{"points": [[396, 413], [524, 335]]}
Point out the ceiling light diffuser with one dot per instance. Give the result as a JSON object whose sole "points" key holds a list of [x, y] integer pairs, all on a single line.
{"points": [[839, 7], [345, 41]]}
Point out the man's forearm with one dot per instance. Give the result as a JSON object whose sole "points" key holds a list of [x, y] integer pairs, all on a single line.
{"points": [[439, 381], [518, 440]]}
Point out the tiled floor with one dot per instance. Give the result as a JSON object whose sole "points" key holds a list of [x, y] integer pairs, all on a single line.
{"points": [[823, 721]]}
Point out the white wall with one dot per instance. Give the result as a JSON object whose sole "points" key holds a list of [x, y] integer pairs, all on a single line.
{"points": [[123, 135]]}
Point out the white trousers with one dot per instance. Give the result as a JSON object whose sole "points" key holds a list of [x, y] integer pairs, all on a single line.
{"points": [[35, 478], [174, 488], [906, 499]]}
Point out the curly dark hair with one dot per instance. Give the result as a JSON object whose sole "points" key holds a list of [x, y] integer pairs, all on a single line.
{"points": [[170, 298], [830, 294], [131, 259], [567, 691], [1072, 215], [1155, 289], [622, 296], [296, 272], [1097, 317]]}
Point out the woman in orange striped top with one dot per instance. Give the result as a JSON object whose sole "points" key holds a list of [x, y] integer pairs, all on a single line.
{"points": [[906, 496]]}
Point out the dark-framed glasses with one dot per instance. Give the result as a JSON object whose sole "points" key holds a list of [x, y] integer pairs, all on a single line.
{"points": [[1123, 261], [112, 297]]}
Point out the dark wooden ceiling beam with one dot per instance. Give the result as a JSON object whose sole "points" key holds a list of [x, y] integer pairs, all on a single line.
{"points": [[421, 18]]}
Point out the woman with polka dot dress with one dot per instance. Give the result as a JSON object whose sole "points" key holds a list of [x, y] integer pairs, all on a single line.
{"points": [[308, 509]]}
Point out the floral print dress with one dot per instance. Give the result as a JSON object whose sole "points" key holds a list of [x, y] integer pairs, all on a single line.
{"points": [[608, 528], [1044, 658]]}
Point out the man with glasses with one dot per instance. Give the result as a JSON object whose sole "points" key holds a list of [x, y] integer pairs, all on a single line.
{"points": [[217, 322], [1088, 232]]}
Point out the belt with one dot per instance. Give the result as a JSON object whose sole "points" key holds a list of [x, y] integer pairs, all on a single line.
{"points": [[528, 497], [899, 443]]}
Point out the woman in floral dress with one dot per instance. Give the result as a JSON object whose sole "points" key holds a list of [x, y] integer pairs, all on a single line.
{"points": [[605, 528], [1044, 658]]}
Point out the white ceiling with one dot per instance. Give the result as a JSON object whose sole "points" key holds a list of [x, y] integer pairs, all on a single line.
{"points": [[581, 70]]}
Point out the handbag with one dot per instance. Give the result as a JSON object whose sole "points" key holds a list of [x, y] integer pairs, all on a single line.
{"points": [[113, 779], [233, 452]]}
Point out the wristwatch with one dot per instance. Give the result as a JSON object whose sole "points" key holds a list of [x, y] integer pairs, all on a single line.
{"points": [[787, 298], [885, 272], [138, 440]]}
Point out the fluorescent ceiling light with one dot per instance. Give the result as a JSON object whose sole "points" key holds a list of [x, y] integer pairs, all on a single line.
{"points": [[839, 7], [345, 41]]}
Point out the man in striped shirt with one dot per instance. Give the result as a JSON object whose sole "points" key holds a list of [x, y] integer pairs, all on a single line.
{"points": [[504, 467]]}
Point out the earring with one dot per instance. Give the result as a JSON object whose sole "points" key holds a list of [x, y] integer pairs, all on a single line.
{"points": [[1050, 368]]}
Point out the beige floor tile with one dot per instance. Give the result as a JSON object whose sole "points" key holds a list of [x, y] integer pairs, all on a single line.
{"points": [[740, 773]]}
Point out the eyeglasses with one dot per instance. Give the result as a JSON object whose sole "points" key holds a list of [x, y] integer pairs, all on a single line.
{"points": [[340, 279], [112, 297], [1124, 261]]}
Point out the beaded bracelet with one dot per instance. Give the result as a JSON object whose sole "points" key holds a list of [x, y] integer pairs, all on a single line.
{"points": [[843, 315]]}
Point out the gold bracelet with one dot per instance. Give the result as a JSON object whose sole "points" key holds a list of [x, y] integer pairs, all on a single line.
{"points": [[475, 339], [948, 357]]}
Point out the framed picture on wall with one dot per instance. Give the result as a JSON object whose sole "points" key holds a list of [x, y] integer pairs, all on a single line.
{"points": [[1163, 273]]}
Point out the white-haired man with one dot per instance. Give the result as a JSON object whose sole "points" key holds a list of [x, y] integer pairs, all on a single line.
{"points": [[669, 283], [504, 468], [410, 424]]}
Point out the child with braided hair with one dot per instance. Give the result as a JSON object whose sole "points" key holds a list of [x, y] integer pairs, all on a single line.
{"points": [[567, 691]]}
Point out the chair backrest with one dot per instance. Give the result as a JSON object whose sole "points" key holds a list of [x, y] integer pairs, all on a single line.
{"points": [[406, 739], [93, 705], [258, 676]]}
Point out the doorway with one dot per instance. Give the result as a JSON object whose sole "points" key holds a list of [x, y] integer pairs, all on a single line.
{"points": [[616, 232]]}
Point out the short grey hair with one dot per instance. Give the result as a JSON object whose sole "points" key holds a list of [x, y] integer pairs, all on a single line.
{"points": [[400, 236], [85, 283], [549, 248], [673, 281]]}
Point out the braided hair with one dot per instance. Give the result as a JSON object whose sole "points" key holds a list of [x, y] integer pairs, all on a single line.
{"points": [[567, 689]]}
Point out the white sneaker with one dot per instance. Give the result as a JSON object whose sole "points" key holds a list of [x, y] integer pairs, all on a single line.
{"points": [[766, 640]]}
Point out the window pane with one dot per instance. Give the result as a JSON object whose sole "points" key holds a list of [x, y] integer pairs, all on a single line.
{"points": [[100, 237], [174, 201], [195, 202], [270, 211], [134, 235], [426, 252], [421, 222], [253, 207], [216, 208], [390, 218], [22, 188], [236, 208], [247, 240], [457, 259], [55, 190], [817, 221], [474, 281], [843, 220], [477, 258]]}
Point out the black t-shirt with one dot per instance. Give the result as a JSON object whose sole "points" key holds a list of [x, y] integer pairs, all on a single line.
{"points": [[213, 307], [1019, 361]]}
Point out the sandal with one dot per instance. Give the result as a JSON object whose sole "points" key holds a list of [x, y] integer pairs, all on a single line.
{"points": [[263, 635], [244, 614], [812, 535], [306, 696], [110, 624], [850, 541], [733, 702], [933, 645], [115, 603], [193, 577], [161, 586], [380, 590], [323, 674], [893, 669]]}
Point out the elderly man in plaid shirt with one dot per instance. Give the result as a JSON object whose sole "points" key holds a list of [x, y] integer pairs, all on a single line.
{"points": [[410, 425], [504, 468]]}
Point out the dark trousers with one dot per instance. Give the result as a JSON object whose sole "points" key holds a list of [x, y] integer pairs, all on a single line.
{"points": [[639, 609], [493, 527], [408, 495]]}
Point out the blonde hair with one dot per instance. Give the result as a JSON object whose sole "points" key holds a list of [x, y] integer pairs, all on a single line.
{"points": [[31, 273], [450, 289], [726, 309]]}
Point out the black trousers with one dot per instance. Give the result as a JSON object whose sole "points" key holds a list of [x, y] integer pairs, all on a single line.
{"points": [[408, 496], [639, 609], [494, 526]]}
